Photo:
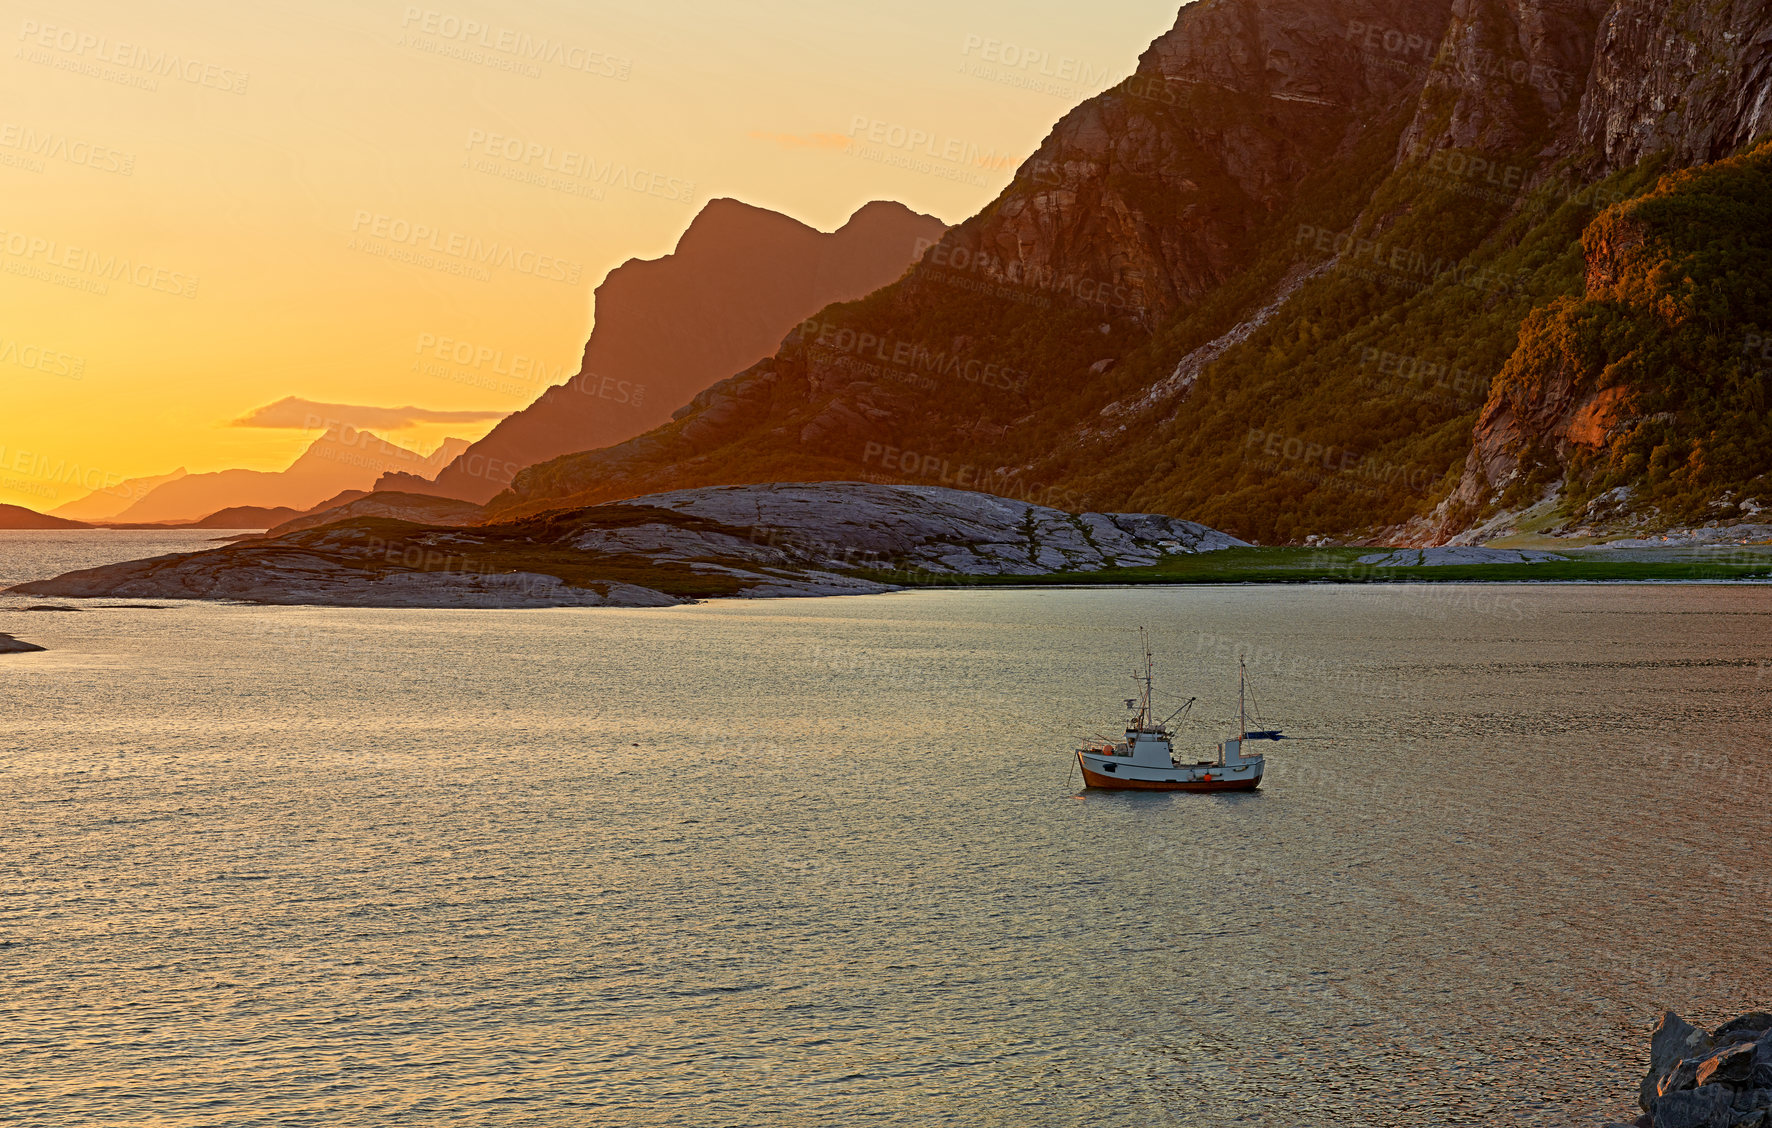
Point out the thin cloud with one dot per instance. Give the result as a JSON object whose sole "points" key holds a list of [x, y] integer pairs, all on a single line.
{"points": [[803, 140], [306, 415]]}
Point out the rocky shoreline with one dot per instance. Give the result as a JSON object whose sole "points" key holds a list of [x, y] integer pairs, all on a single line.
{"points": [[1721, 1079], [755, 542]]}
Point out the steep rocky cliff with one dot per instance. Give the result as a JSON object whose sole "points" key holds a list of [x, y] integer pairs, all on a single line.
{"points": [[1268, 280], [739, 279], [1693, 79], [1143, 203], [1648, 394]]}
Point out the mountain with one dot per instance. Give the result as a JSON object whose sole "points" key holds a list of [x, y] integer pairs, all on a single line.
{"points": [[740, 279], [1281, 279], [343, 458], [104, 504], [18, 517], [751, 541], [423, 509], [245, 517]]}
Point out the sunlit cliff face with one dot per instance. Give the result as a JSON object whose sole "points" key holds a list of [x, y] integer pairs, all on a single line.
{"points": [[212, 207]]}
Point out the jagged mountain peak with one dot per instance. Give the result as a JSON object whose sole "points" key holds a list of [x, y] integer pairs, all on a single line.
{"points": [[740, 279]]}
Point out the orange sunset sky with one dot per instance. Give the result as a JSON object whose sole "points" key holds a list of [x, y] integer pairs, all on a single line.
{"points": [[214, 205]]}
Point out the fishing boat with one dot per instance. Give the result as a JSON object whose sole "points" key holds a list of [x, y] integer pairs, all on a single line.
{"points": [[1145, 760]]}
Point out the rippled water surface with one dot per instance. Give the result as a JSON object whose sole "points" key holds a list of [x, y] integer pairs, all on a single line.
{"points": [[824, 862]]}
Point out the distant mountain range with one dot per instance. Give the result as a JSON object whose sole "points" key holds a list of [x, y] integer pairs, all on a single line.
{"points": [[1409, 270], [238, 517], [104, 504], [341, 459], [741, 278], [18, 517]]}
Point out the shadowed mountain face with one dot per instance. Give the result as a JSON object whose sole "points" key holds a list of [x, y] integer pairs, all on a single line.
{"points": [[1269, 280], [740, 279], [341, 459]]}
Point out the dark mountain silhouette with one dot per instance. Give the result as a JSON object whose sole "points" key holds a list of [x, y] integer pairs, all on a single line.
{"points": [[104, 504], [245, 517], [341, 459], [738, 282], [18, 517]]}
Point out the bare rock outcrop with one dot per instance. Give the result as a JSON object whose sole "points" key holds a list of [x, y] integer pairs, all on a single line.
{"points": [[746, 541], [1708, 1080], [1691, 79]]}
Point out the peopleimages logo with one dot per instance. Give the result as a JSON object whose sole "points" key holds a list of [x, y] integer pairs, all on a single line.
{"points": [[94, 268], [467, 249], [531, 156], [1327, 463], [957, 260], [73, 150], [51, 362], [925, 143], [517, 45], [1029, 68], [1399, 265], [139, 62], [913, 357], [50, 471], [466, 354]]}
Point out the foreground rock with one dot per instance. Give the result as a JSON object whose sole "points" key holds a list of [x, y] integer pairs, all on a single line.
{"points": [[10, 645], [1716, 1080], [745, 541]]}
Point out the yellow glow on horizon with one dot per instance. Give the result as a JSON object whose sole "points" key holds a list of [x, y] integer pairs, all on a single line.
{"points": [[213, 206]]}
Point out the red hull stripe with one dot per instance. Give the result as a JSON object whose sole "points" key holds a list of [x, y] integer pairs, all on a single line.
{"points": [[1117, 783]]}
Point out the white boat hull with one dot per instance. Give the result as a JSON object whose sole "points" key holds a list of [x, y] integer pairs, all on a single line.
{"points": [[1120, 773]]}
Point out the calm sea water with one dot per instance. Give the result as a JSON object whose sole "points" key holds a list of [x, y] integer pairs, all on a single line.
{"points": [[824, 862]]}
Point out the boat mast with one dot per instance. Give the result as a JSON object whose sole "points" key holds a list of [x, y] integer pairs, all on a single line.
{"points": [[1144, 712], [1242, 711]]}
